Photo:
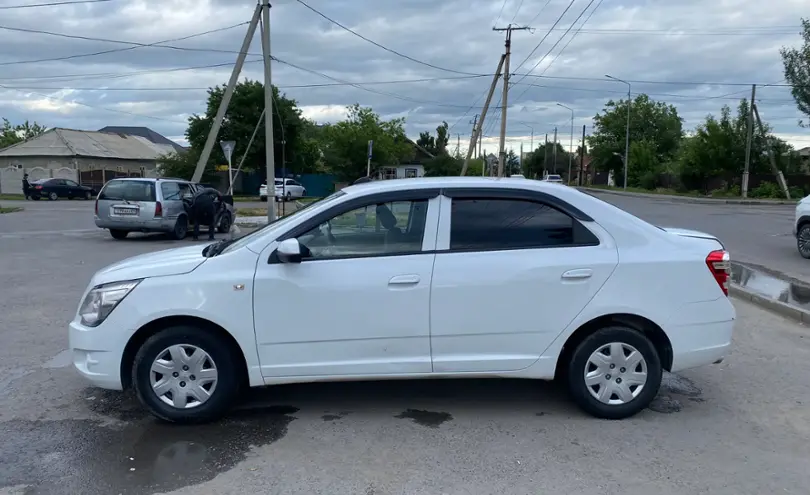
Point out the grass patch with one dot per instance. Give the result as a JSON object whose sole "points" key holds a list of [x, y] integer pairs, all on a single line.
{"points": [[251, 212], [9, 209], [12, 197], [245, 199]]}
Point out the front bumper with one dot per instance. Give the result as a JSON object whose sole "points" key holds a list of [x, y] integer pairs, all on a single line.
{"points": [[95, 356]]}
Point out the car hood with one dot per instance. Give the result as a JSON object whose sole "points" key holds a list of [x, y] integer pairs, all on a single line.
{"points": [[158, 264]]}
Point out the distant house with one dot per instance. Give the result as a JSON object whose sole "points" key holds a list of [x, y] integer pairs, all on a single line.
{"points": [[143, 132], [412, 166], [88, 157]]}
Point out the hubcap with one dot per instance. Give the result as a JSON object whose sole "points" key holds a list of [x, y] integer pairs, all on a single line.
{"points": [[615, 373], [804, 241], [183, 376]]}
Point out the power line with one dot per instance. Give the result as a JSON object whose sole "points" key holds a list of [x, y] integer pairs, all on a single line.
{"points": [[115, 50], [546, 36], [517, 11], [53, 98], [50, 4], [120, 42], [558, 41], [121, 75], [538, 13], [687, 32], [379, 45]]}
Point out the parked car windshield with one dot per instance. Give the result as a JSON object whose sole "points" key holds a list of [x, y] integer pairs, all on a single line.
{"points": [[244, 240], [128, 190]]}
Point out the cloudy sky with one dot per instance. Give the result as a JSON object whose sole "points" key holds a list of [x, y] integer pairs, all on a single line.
{"points": [[695, 54]]}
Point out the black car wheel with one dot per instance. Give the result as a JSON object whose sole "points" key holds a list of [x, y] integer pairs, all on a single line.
{"points": [[225, 224], [88, 196], [614, 373], [53, 196], [185, 374], [119, 234], [180, 228], [803, 240]]}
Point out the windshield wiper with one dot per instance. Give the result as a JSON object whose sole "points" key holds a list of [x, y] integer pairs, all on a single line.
{"points": [[214, 249]]}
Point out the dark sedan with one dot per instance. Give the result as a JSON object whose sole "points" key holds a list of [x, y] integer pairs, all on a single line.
{"points": [[54, 189]]}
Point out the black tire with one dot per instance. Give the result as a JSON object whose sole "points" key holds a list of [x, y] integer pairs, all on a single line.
{"points": [[304, 193], [36, 198], [225, 393], [575, 373], [119, 234], [53, 196], [288, 197], [88, 196], [803, 233], [263, 199], [180, 229], [224, 224]]}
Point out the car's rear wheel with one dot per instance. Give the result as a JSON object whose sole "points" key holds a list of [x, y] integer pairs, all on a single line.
{"points": [[186, 375], [803, 240], [224, 224], [119, 234], [53, 196], [614, 373], [263, 199], [289, 196], [180, 229]]}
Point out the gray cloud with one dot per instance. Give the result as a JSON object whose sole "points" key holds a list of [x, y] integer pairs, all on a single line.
{"points": [[451, 34]]}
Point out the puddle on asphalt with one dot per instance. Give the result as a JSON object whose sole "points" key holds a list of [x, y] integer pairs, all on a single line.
{"points": [[771, 286], [425, 418], [674, 388], [143, 457]]}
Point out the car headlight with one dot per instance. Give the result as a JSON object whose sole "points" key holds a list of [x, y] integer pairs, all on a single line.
{"points": [[102, 300]]}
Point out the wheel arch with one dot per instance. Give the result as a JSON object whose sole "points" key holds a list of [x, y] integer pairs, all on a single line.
{"points": [[142, 334], [650, 329], [803, 220]]}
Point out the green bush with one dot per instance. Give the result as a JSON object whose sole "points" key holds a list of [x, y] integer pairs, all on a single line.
{"points": [[766, 190]]}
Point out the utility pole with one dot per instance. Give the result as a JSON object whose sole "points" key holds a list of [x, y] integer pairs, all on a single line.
{"points": [[268, 105], [226, 98], [545, 158], [458, 144], [749, 137], [582, 157], [480, 144], [521, 155], [554, 148], [507, 54], [477, 129], [780, 178]]}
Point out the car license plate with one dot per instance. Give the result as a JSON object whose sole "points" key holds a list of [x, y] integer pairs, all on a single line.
{"points": [[125, 211]]}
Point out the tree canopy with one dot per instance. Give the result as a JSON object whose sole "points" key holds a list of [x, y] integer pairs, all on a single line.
{"points": [[12, 134], [796, 63]]}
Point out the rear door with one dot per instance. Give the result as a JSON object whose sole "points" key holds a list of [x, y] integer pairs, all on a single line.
{"points": [[172, 198], [127, 199], [512, 271]]}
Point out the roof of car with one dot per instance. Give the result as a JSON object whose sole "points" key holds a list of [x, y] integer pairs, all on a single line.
{"points": [[454, 182]]}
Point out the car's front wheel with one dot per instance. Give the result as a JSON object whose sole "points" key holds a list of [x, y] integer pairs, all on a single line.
{"points": [[87, 196], [224, 224], [614, 373], [53, 196], [803, 240], [184, 374]]}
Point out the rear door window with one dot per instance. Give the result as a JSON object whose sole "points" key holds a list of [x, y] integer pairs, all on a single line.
{"points": [[128, 190], [170, 190]]}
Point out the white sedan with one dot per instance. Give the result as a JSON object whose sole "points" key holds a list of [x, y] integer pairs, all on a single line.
{"points": [[450, 277], [285, 190]]}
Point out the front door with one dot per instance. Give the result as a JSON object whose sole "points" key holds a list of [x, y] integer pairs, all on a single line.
{"points": [[510, 277], [358, 303]]}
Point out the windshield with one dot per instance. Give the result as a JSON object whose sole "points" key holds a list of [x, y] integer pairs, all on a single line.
{"points": [[128, 190], [553, 177], [278, 182], [246, 239]]}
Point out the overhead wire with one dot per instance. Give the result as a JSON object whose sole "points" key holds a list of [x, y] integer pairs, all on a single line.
{"points": [[546, 36], [50, 4]]}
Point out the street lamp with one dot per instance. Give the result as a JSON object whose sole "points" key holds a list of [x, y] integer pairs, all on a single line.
{"points": [[627, 132], [571, 142]]}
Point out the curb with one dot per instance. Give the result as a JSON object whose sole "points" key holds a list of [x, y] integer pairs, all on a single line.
{"points": [[690, 199], [778, 307]]}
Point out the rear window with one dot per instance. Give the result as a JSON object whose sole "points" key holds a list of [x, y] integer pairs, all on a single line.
{"points": [[129, 190], [40, 181]]}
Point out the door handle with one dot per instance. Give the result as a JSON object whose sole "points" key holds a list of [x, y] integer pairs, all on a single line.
{"points": [[579, 274], [404, 280]]}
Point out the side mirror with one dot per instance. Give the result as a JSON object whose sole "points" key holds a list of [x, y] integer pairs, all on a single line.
{"points": [[289, 251]]}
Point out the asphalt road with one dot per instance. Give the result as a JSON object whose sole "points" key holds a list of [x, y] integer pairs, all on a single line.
{"points": [[737, 428]]}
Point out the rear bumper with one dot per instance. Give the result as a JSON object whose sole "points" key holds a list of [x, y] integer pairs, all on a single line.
{"points": [[701, 333], [136, 224]]}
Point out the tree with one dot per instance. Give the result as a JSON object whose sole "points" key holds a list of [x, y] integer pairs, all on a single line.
{"points": [[541, 160], [182, 164], [345, 143], [435, 145], [444, 165], [239, 122], [512, 163], [13, 134], [797, 71], [652, 121]]}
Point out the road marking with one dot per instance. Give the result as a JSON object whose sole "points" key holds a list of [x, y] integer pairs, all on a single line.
{"points": [[32, 233]]}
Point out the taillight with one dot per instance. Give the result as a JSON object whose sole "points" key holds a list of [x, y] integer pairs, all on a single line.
{"points": [[158, 209], [37, 187], [720, 265], [97, 207]]}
